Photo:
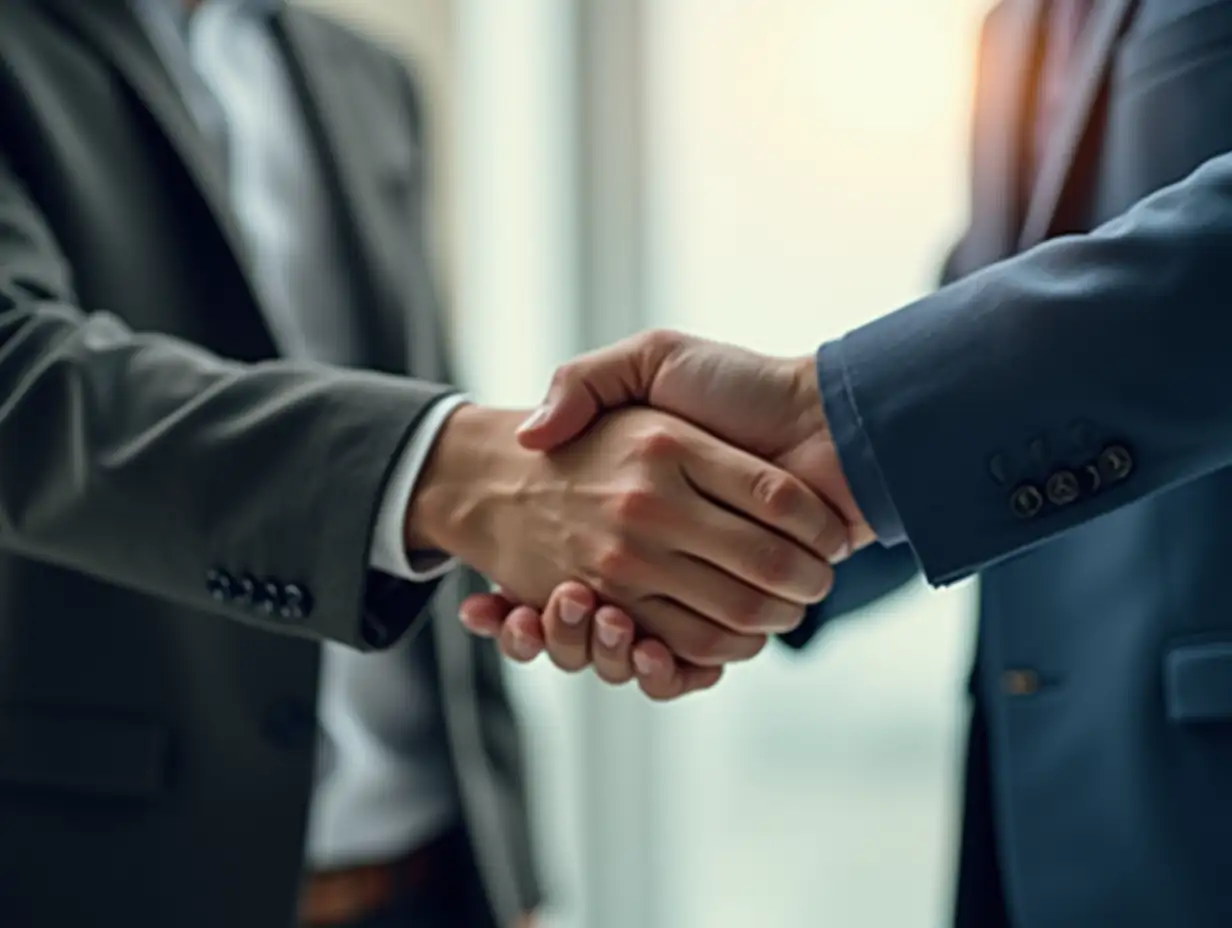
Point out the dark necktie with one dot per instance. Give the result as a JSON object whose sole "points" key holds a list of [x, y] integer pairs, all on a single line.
{"points": [[1066, 20]]}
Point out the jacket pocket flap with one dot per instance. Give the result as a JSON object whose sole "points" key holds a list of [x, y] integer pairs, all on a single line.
{"points": [[87, 754], [1198, 682]]}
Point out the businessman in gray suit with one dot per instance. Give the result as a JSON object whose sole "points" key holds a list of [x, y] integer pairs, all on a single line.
{"points": [[210, 219]]}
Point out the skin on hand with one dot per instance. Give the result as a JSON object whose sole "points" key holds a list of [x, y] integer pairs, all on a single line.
{"points": [[768, 406], [771, 407], [573, 620], [707, 547]]}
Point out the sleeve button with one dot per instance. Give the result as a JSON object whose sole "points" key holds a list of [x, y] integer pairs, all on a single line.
{"points": [[268, 597], [1020, 682], [296, 603], [1026, 501], [1115, 462], [221, 585], [1092, 480], [246, 591], [1062, 488]]}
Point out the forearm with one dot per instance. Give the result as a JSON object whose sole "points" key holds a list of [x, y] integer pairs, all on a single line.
{"points": [[151, 464], [247, 490], [1029, 368]]}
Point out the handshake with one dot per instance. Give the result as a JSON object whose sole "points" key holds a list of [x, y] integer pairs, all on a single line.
{"points": [[672, 503]]}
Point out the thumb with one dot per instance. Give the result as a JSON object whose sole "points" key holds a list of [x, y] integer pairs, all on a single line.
{"points": [[563, 415], [585, 388]]}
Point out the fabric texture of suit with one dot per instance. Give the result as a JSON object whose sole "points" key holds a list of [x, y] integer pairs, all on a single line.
{"points": [[171, 493], [1057, 419]]}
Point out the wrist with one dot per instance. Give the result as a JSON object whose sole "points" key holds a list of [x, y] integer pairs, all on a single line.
{"points": [[806, 398], [446, 511]]}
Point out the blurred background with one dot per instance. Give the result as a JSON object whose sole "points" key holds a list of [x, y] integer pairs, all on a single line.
{"points": [[770, 172]]}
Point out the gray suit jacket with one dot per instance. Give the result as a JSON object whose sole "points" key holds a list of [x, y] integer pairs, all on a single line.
{"points": [[170, 499]]}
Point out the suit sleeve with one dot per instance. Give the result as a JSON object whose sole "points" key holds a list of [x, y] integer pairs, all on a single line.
{"points": [[248, 491], [1052, 388]]}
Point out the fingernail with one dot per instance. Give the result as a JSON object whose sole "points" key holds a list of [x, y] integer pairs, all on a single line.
{"points": [[523, 647], [644, 665], [472, 625], [572, 612], [609, 635], [843, 552], [534, 419]]}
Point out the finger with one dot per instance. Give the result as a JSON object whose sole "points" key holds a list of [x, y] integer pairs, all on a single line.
{"points": [[595, 382], [612, 645], [661, 677], [722, 598], [521, 637], [566, 626], [693, 637], [484, 614], [779, 500], [749, 552]]}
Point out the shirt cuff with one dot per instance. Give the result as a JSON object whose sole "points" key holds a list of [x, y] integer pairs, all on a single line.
{"points": [[855, 450], [389, 553]]}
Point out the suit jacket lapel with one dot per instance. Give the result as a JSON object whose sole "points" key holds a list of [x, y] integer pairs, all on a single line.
{"points": [[108, 26], [1089, 70], [330, 105]]}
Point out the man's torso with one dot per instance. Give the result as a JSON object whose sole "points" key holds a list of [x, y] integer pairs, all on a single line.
{"points": [[1105, 656], [147, 753]]}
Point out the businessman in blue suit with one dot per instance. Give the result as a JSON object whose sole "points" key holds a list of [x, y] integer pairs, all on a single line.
{"points": [[1056, 417]]}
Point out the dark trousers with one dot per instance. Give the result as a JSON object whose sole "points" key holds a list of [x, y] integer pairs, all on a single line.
{"points": [[980, 901]]}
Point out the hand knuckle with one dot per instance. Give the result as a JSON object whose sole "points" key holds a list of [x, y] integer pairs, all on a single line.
{"points": [[659, 339], [636, 504], [776, 562], [659, 442], [613, 562], [564, 374], [777, 492]]}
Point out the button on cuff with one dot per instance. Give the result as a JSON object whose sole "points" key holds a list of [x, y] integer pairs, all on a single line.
{"points": [[1026, 501]]}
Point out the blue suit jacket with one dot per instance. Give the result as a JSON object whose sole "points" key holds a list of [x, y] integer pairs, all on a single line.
{"points": [[1059, 418]]}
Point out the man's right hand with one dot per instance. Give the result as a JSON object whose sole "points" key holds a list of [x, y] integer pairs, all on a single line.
{"points": [[707, 547], [771, 407]]}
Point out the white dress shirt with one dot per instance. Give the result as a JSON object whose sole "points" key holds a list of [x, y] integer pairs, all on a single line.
{"points": [[384, 781]]}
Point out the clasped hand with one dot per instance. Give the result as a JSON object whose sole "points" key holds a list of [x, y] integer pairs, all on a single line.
{"points": [[727, 506]]}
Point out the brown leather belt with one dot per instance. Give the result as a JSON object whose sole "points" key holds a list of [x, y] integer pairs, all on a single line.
{"points": [[338, 897]]}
